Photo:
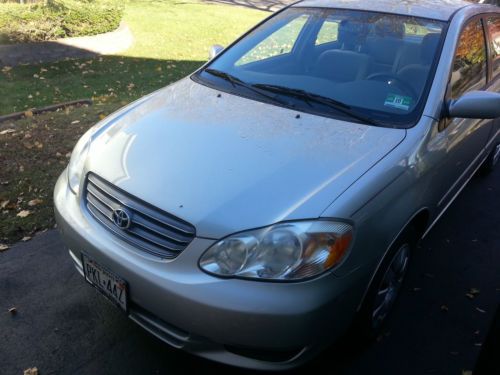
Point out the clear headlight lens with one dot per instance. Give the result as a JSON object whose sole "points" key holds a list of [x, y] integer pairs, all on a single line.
{"points": [[77, 161], [287, 251]]}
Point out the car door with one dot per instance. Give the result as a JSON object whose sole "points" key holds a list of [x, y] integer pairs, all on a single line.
{"points": [[464, 138]]}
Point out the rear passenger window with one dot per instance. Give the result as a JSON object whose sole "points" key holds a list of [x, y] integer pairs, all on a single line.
{"points": [[328, 32], [469, 67], [494, 33]]}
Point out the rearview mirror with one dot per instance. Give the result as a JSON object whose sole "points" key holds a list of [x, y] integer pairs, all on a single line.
{"points": [[475, 104], [214, 51]]}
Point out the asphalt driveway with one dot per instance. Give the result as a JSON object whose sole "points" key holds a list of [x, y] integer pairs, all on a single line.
{"points": [[62, 326]]}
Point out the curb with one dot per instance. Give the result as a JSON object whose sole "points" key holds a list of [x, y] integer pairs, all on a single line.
{"points": [[49, 108]]}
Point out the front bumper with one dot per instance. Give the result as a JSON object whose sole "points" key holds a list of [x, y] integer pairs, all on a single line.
{"points": [[252, 324]]}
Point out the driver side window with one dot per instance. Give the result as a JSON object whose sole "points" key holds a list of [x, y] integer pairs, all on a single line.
{"points": [[469, 66]]}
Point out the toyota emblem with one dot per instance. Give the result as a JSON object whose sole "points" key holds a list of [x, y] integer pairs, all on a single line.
{"points": [[121, 218]]}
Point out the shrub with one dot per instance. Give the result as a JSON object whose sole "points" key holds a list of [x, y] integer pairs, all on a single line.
{"points": [[54, 19]]}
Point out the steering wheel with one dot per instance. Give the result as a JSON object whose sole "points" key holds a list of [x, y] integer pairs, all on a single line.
{"points": [[392, 78]]}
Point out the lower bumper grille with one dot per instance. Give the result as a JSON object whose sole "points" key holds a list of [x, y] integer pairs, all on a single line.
{"points": [[139, 223]]}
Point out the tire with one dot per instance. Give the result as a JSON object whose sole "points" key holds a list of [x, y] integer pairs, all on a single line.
{"points": [[385, 287], [492, 160]]}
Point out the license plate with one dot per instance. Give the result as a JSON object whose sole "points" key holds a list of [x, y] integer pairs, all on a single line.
{"points": [[112, 286]]}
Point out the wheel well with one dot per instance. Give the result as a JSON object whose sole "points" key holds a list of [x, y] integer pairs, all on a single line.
{"points": [[420, 222]]}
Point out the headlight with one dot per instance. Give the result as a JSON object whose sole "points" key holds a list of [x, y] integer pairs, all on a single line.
{"points": [[287, 251], [77, 161]]}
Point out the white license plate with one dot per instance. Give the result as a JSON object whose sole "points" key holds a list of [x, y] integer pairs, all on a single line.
{"points": [[112, 286]]}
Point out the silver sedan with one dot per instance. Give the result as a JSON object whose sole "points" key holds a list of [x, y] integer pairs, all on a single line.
{"points": [[254, 211]]}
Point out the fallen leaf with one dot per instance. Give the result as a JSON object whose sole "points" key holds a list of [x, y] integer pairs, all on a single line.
{"points": [[24, 213], [480, 310], [26, 238], [75, 122], [28, 113], [4, 204], [12, 310], [31, 371], [3, 247], [5, 69], [478, 344], [444, 308], [102, 116], [474, 291], [469, 295], [7, 131]]}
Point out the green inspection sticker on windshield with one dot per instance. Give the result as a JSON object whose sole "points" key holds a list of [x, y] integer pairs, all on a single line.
{"points": [[398, 101]]}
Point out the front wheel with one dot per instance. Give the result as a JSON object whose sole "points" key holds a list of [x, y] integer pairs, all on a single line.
{"points": [[386, 285]]}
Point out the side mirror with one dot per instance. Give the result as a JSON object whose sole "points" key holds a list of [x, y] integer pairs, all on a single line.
{"points": [[214, 51], [475, 104]]}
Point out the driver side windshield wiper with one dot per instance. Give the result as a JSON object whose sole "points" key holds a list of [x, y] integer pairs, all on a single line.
{"points": [[235, 81], [309, 97]]}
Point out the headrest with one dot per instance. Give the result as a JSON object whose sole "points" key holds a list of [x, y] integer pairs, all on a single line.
{"points": [[351, 34], [386, 27]]}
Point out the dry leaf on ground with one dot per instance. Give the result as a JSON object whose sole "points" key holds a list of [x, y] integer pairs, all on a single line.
{"points": [[24, 213], [31, 371], [35, 202], [12, 310], [7, 131], [26, 238], [3, 247]]}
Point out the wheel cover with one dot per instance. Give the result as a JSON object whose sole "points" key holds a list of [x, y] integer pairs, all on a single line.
{"points": [[390, 285]]}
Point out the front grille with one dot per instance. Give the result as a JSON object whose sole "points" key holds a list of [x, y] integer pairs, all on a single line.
{"points": [[150, 229]]}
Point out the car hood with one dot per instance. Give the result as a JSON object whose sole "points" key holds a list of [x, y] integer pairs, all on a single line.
{"points": [[226, 163]]}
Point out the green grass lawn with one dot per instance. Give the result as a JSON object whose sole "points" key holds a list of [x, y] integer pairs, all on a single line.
{"points": [[172, 39]]}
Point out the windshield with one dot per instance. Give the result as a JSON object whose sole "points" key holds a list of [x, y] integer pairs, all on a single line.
{"points": [[364, 66]]}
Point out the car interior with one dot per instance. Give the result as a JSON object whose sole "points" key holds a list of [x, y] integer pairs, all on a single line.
{"points": [[374, 57]]}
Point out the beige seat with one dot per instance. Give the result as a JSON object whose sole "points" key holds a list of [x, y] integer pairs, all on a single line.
{"points": [[346, 63]]}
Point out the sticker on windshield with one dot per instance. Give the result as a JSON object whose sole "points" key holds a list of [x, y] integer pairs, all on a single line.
{"points": [[398, 101]]}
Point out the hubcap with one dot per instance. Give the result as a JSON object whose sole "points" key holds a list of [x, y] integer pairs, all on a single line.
{"points": [[390, 285], [496, 154]]}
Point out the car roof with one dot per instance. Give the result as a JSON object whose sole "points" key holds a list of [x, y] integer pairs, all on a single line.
{"points": [[435, 9]]}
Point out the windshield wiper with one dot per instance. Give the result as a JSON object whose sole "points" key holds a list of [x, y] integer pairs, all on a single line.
{"points": [[235, 81], [309, 98]]}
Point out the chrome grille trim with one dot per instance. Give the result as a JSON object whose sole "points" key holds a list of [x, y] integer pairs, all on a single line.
{"points": [[151, 229]]}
